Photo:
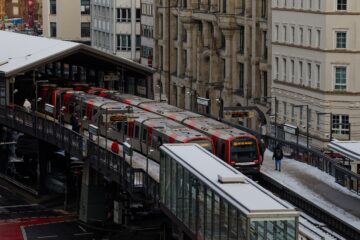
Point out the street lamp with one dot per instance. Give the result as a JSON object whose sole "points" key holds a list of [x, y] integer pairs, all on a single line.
{"points": [[36, 92], [275, 123], [331, 127], [160, 88], [307, 121]]}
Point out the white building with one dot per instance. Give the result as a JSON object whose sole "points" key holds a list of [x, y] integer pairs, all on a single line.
{"points": [[116, 27], [316, 57], [147, 32], [67, 20]]}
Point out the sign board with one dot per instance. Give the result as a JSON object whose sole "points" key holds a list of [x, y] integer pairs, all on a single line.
{"points": [[203, 101], [291, 129], [111, 77], [127, 149], [49, 108], [118, 118], [93, 129], [141, 90]]}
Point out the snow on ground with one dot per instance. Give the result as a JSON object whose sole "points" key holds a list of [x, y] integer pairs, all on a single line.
{"points": [[300, 177]]}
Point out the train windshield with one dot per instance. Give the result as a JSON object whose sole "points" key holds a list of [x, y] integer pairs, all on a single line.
{"points": [[243, 150], [205, 144]]}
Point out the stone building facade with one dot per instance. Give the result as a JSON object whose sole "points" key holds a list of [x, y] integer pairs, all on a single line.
{"points": [[316, 54], [213, 49]]}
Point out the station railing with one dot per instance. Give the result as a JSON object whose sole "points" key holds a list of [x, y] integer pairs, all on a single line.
{"points": [[112, 166], [313, 157]]}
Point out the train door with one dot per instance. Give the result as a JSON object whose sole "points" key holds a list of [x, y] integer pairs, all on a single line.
{"points": [[156, 142], [136, 143], [221, 149], [144, 138]]}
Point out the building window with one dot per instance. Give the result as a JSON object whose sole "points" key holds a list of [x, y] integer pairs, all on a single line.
{"points": [[123, 42], [138, 42], [85, 7], [146, 52], [53, 29], [340, 39], [285, 34], [292, 34], [277, 33], [242, 39], [85, 29], [292, 113], [276, 68], [123, 15], [340, 78], [318, 33], [292, 70], [301, 35], [341, 5], [285, 111], [318, 76], [310, 36], [301, 72], [284, 69], [241, 78], [52, 7], [309, 74], [138, 15], [340, 124]]}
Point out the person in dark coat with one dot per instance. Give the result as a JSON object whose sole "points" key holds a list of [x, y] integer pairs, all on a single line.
{"points": [[75, 125], [278, 156]]}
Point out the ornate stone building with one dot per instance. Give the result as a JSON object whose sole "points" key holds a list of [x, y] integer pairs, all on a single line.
{"points": [[212, 49]]}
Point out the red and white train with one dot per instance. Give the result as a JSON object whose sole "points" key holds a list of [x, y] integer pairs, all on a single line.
{"points": [[121, 121], [236, 147]]}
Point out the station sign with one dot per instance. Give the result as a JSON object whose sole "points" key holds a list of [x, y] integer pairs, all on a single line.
{"points": [[240, 114], [118, 118], [203, 101], [291, 129], [111, 77], [93, 129], [49, 108]]}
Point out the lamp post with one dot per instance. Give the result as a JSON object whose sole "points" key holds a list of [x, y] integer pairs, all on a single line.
{"points": [[307, 121], [275, 123], [331, 127], [160, 88], [220, 102], [36, 92]]}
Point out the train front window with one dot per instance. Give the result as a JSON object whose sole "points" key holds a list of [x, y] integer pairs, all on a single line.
{"points": [[205, 144], [243, 150]]}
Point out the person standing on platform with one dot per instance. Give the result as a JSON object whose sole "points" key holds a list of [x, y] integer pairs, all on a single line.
{"points": [[27, 105], [278, 156], [115, 147], [262, 149]]}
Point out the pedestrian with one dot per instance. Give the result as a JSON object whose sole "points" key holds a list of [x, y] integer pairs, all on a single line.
{"points": [[27, 105], [62, 115], [262, 149], [278, 156], [75, 123], [115, 147]]}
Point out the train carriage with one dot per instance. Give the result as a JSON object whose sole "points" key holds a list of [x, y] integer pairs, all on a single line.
{"points": [[236, 147]]}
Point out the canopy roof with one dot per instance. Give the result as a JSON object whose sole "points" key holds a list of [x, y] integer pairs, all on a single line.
{"points": [[20, 53], [349, 149]]}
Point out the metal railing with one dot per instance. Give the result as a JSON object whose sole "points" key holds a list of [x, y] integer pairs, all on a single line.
{"points": [[313, 157], [112, 166]]}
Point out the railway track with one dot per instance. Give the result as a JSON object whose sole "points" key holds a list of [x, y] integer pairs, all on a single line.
{"points": [[331, 222]]}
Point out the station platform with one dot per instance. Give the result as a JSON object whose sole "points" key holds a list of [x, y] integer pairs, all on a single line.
{"points": [[315, 186]]}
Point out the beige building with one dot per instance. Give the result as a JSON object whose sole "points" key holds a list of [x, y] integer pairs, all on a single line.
{"points": [[67, 20], [212, 49], [316, 58]]}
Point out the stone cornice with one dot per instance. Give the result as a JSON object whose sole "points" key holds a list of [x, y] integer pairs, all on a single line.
{"points": [[342, 13], [315, 49]]}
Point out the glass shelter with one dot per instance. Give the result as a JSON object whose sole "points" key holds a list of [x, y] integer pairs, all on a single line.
{"points": [[211, 200]]}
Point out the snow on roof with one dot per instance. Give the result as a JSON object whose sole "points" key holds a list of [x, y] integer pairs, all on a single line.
{"points": [[20, 50], [350, 149], [249, 197]]}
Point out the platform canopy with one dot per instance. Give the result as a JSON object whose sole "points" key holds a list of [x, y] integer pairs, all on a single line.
{"points": [[349, 149], [20, 53]]}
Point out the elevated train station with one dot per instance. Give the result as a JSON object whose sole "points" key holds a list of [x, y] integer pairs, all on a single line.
{"points": [[52, 60]]}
